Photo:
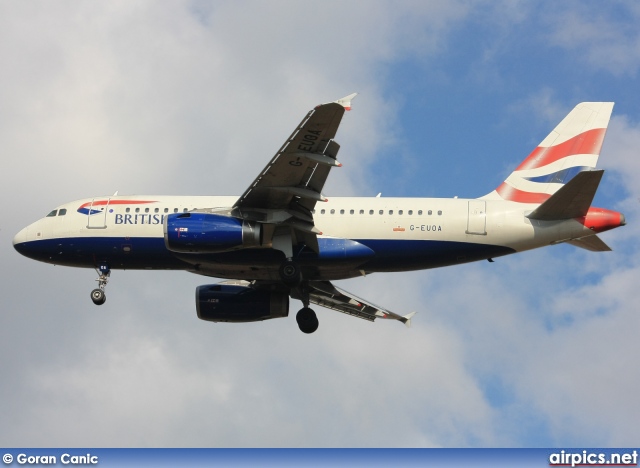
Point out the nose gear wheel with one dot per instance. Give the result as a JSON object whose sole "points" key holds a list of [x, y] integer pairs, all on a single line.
{"points": [[98, 295]]}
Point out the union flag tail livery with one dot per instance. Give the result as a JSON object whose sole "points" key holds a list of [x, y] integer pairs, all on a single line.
{"points": [[282, 238], [572, 147]]}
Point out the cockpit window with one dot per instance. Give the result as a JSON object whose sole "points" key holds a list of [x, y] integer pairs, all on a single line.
{"points": [[62, 212], [53, 213]]}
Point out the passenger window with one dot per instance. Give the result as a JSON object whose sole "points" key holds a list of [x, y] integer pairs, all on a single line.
{"points": [[166, 210], [361, 211], [333, 211], [390, 212], [439, 213], [399, 212], [410, 212], [370, 212], [341, 211], [430, 213], [185, 210], [53, 213], [381, 212], [157, 210], [352, 211], [175, 210], [137, 210], [323, 211], [419, 212], [127, 210], [146, 210]]}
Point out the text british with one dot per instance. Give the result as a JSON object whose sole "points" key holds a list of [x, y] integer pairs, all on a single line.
{"points": [[139, 219]]}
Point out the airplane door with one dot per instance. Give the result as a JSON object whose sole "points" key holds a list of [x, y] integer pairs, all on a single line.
{"points": [[98, 220], [477, 222]]}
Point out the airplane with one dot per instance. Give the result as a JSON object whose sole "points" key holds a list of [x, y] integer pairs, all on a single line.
{"points": [[283, 238]]}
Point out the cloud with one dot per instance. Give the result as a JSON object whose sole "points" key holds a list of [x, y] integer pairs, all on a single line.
{"points": [[606, 38]]}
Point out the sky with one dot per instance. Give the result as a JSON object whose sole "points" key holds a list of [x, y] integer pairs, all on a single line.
{"points": [[538, 349]]}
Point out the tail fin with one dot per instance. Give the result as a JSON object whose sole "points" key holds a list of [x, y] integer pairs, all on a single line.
{"points": [[572, 147]]}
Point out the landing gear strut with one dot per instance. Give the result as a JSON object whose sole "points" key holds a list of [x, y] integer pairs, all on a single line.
{"points": [[98, 295], [291, 276], [306, 317]]}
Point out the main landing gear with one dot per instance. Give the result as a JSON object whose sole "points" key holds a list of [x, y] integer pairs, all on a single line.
{"points": [[291, 276], [98, 295], [307, 320]]}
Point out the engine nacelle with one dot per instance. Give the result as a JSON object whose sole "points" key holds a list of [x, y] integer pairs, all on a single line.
{"points": [[235, 303], [209, 233]]}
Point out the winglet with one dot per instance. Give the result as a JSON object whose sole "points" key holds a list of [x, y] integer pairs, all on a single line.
{"points": [[346, 101], [407, 319]]}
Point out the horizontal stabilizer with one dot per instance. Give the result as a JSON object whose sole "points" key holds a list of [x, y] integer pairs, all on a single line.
{"points": [[591, 243], [572, 200]]}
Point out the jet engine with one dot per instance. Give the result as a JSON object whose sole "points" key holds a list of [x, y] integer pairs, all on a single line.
{"points": [[236, 303], [209, 233]]}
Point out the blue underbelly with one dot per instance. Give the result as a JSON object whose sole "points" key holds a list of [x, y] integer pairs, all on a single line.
{"points": [[365, 254]]}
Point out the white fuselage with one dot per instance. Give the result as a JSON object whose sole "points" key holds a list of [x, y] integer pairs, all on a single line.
{"points": [[404, 233]]}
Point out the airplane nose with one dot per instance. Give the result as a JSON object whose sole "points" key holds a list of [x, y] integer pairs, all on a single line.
{"points": [[20, 238]]}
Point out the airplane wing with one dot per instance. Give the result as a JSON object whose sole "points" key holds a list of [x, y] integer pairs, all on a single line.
{"points": [[325, 294], [287, 189]]}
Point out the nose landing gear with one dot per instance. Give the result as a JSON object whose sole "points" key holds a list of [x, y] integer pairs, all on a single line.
{"points": [[98, 295]]}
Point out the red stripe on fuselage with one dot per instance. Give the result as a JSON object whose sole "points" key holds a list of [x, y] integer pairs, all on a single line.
{"points": [[115, 202], [589, 142]]}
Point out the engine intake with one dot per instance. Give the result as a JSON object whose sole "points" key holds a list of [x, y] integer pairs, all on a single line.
{"points": [[235, 303], [209, 233]]}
